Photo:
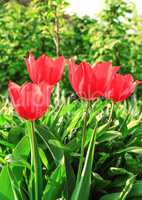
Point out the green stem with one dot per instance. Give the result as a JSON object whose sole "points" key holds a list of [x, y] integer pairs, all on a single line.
{"points": [[34, 159], [111, 111], [83, 143]]}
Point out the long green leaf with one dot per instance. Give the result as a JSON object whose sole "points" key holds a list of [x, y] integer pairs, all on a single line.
{"points": [[46, 136], [54, 185], [6, 191], [22, 150], [127, 188], [136, 190], [82, 189], [113, 196], [15, 186]]}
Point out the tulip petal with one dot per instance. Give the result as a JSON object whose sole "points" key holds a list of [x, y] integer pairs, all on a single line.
{"points": [[103, 72], [30, 61], [14, 92]]}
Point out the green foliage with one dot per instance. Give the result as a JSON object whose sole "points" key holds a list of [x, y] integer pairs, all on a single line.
{"points": [[117, 157], [115, 36]]}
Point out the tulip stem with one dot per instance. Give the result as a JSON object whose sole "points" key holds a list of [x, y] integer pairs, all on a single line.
{"points": [[34, 159], [111, 112], [83, 142]]}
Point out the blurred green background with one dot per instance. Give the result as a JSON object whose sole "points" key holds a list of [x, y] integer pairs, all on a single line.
{"points": [[42, 26]]}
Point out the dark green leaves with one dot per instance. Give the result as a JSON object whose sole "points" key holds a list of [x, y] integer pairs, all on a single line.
{"points": [[11, 175], [54, 186]]}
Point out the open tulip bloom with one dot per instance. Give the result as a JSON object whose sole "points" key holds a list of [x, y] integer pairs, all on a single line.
{"points": [[121, 87], [89, 81], [45, 69], [30, 100]]}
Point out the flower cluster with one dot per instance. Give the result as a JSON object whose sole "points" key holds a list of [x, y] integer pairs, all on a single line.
{"points": [[100, 80], [31, 100]]}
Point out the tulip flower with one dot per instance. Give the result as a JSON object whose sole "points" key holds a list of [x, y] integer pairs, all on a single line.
{"points": [[30, 100], [45, 69], [121, 87], [89, 81]]}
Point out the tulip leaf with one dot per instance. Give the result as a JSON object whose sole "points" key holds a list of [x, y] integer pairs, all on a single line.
{"points": [[55, 182], [133, 149], [43, 157], [113, 196], [127, 188], [136, 190], [108, 136], [46, 136], [6, 189], [119, 171], [7, 144], [15, 186], [82, 189], [122, 195], [70, 178], [99, 182], [133, 124], [73, 124]]}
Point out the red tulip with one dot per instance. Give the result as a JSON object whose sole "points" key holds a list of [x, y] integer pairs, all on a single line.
{"points": [[30, 100], [89, 81], [121, 87], [45, 69]]}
